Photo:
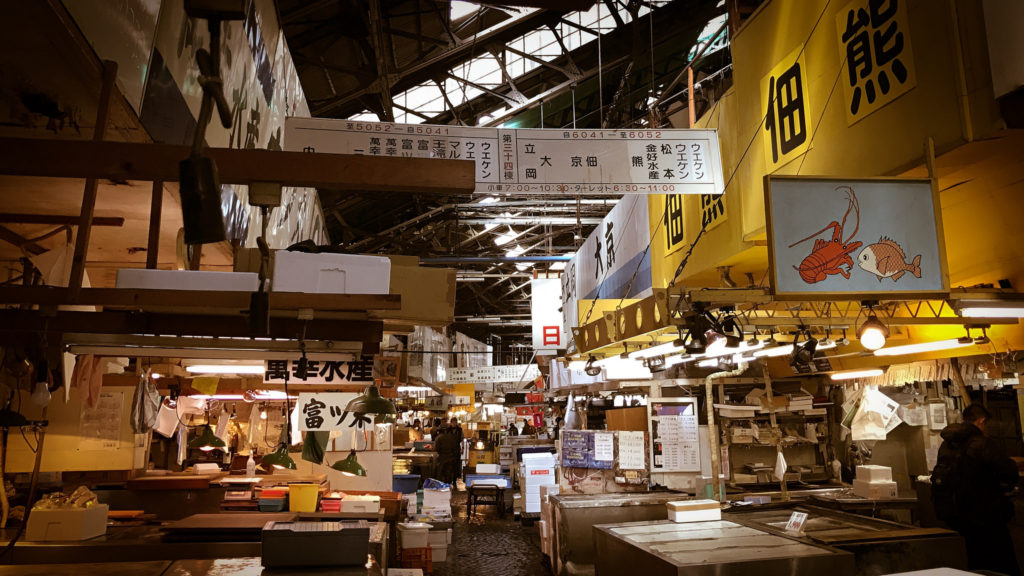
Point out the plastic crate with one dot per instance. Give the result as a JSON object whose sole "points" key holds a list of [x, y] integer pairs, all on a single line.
{"points": [[405, 483], [418, 558], [489, 479], [272, 504]]}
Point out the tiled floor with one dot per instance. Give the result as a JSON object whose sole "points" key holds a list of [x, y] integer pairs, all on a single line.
{"points": [[491, 546]]}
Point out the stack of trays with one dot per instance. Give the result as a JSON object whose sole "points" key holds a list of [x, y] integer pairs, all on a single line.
{"points": [[273, 500]]}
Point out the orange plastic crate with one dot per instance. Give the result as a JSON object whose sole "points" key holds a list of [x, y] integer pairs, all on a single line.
{"points": [[418, 558]]}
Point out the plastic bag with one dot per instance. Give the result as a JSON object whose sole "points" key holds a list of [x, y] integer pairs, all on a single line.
{"points": [[145, 405], [432, 484]]}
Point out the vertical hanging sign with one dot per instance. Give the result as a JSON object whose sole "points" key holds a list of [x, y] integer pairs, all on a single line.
{"points": [[784, 100], [546, 301]]}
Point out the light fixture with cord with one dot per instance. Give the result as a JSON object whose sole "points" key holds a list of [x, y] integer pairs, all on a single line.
{"points": [[280, 458], [803, 353]]}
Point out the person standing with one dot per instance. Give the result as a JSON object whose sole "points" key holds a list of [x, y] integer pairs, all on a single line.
{"points": [[970, 482], [512, 430], [449, 453], [456, 429]]}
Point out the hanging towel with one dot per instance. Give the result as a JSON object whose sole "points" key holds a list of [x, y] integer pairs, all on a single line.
{"points": [[182, 444], [88, 376], [145, 405]]}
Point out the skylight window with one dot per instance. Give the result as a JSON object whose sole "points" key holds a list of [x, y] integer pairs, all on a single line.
{"points": [[462, 9]]}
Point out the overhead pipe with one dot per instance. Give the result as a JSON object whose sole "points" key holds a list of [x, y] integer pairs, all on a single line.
{"points": [[494, 259], [709, 403]]}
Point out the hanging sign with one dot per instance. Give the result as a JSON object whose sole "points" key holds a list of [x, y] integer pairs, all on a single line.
{"points": [[874, 40], [535, 161], [348, 371], [613, 258], [545, 305], [862, 239], [493, 374], [784, 99], [325, 411]]}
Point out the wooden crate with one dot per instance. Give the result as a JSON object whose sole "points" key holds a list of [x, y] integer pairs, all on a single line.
{"points": [[417, 558]]}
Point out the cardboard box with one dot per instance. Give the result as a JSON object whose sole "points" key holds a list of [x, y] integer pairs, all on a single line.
{"points": [[872, 473], [874, 490], [694, 510], [629, 419], [742, 435], [67, 524], [778, 403], [331, 273], [186, 280]]}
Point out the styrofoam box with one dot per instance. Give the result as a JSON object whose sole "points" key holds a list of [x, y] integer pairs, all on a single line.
{"points": [[413, 534], [694, 510], [548, 490], [439, 537], [873, 473], [360, 506], [542, 527], [67, 524], [438, 553], [405, 571], [488, 469], [187, 280], [331, 273], [874, 490], [538, 460]]}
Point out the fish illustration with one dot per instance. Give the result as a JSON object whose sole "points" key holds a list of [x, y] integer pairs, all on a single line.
{"points": [[887, 260]]}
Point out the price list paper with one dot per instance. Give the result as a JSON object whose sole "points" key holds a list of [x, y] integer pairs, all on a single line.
{"points": [[535, 161], [676, 446], [632, 451]]}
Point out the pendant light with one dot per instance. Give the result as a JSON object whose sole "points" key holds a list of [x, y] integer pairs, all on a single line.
{"points": [[371, 402], [349, 466], [872, 333], [207, 440], [280, 458]]}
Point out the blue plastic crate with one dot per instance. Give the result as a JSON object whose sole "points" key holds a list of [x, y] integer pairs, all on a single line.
{"points": [[487, 479], [405, 483]]}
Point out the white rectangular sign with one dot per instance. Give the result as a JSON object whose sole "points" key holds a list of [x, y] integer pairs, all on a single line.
{"points": [[605, 265], [545, 304], [860, 238], [325, 411], [493, 374], [534, 160]]}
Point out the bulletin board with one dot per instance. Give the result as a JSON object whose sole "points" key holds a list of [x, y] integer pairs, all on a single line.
{"points": [[588, 449], [586, 468], [675, 435]]}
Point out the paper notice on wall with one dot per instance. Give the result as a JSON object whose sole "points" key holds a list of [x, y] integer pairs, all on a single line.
{"points": [[100, 427], [893, 423], [604, 446], [913, 415], [632, 451], [931, 456], [937, 416]]}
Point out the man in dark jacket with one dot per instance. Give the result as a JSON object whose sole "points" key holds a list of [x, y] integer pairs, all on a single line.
{"points": [[976, 474], [449, 454]]}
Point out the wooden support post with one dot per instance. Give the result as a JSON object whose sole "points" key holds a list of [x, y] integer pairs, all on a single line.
{"points": [[709, 403], [155, 209], [775, 426], [89, 197]]}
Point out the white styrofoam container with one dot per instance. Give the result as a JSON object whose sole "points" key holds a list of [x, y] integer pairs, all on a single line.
{"points": [[67, 524], [331, 273], [542, 527], [694, 510], [538, 460], [439, 537], [874, 490], [488, 469], [413, 534], [405, 572], [873, 473], [142, 279], [360, 506], [438, 553]]}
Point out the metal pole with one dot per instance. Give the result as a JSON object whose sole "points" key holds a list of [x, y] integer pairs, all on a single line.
{"points": [[155, 210]]}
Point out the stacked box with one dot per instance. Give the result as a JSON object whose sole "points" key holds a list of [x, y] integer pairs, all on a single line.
{"points": [[874, 482], [538, 470], [694, 510]]}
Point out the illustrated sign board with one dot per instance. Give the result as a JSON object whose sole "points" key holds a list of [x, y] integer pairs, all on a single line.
{"points": [[605, 265], [493, 374], [858, 238], [545, 303], [535, 160]]}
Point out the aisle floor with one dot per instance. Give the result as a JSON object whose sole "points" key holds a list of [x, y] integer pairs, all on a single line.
{"points": [[491, 546]]}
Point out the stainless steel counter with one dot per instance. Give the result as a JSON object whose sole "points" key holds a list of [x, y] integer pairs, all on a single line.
{"points": [[209, 567], [718, 548]]}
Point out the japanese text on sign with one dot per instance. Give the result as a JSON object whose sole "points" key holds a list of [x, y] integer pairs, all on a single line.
{"points": [[784, 100], [493, 374], [535, 161], [325, 411], [320, 371], [874, 39]]}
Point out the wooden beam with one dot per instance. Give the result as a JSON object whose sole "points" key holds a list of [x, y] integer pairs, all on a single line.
{"points": [[130, 161], [55, 220], [155, 209], [212, 299], [20, 322]]}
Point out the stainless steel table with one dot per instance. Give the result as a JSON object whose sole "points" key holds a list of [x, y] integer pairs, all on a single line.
{"points": [[716, 548]]}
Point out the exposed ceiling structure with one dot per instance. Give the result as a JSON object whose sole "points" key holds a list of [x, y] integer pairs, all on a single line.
{"points": [[572, 63]]}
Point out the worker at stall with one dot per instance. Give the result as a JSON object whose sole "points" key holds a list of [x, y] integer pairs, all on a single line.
{"points": [[456, 429], [416, 432], [970, 482], [449, 454], [512, 430], [528, 429], [435, 431]]}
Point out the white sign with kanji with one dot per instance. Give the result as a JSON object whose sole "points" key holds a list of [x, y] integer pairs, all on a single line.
{"points": [[325, 411], [534, 160], [545, 314], [343, 370], [493, 374]]}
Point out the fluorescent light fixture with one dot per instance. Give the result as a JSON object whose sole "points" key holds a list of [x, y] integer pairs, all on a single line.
{"points": [[854, 374], [660, 349], [992, 309], [922, 347], [468, 279], [414, 389], [156, 376], [259, 395], [787, 349], [225, 369], [708, 363], [718, 348]]}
